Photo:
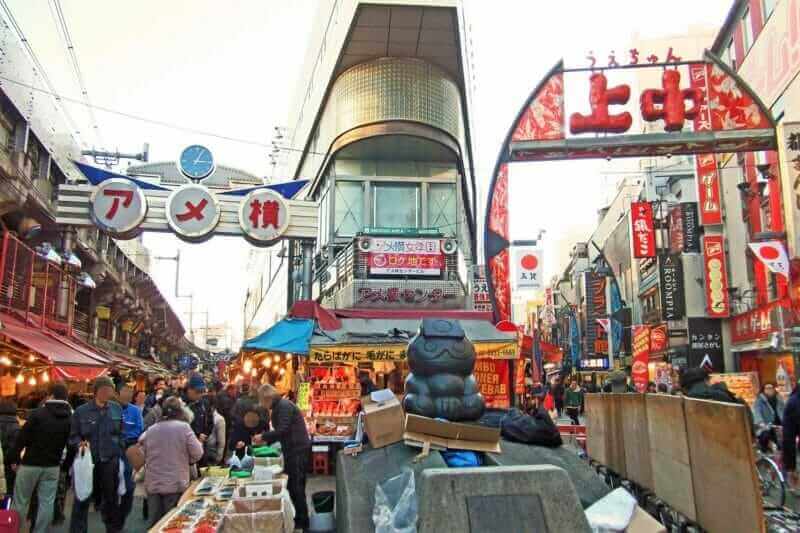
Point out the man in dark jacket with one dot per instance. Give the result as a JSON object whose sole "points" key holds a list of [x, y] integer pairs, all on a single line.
{"points": [[226, 399], [203, 422], [791, 430], [159, 388], [43, 438], [98, 425], [243, 403], [288, 428], [9, 429]]}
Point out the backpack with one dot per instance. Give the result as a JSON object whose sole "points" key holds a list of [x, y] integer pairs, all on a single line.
{"points": [[538, 429]]}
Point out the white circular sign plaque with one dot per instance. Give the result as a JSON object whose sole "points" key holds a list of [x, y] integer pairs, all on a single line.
{"points": [[118, 207], [264, 216], [192, 212]]}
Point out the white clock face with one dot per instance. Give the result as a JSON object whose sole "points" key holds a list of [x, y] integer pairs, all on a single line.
{"points": [[196, 162]]}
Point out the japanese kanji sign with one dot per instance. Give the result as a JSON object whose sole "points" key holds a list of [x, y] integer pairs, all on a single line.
{"points": [[641, 356], [789, 149], [528, 268], [705, 344], [118, 207], [357, 353], [716, 276], [408, 264], [642, 230], [263, 216], [192, 212], [708, 190]]}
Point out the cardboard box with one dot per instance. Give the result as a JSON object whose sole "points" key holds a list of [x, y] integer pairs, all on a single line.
{"points": [[642, 522], [383, 421], [423, 432]]}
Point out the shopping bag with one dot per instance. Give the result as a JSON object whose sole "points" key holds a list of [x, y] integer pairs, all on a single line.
{"points": [[121, 485], [135, 455], [9, 519], [82, 474]]}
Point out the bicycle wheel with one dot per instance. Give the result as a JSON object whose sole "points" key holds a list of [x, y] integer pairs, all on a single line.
{"points": [[773, 487]]}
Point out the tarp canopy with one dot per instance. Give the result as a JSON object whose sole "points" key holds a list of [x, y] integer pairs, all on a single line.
{"points": [[290, 335], [56, 351]]}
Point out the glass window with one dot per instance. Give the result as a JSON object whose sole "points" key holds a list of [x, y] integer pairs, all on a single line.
{"points": [[730, 54], [767, 7], [442, 207], [396, 205], [747, 30], [349, 208]]}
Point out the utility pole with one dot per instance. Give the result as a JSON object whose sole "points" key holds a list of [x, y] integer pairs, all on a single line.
{"points": [[190, 296]]}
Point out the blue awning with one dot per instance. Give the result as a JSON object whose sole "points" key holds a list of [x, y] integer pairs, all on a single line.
{"points": [[290, 335]]}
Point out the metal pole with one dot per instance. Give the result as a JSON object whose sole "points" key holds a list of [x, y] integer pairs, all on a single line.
{"points": [[308, 251]]}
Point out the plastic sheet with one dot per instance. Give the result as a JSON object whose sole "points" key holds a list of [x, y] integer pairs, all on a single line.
{"points": [[395, 508], [611, 513]]}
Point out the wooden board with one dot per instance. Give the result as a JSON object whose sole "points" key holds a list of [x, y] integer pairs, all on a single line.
{"points": [[723, 467], [596, 422], [669, 453], [637, 439]]}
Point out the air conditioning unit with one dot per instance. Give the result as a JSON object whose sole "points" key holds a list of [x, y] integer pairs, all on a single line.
{"points": [[364, 244]]}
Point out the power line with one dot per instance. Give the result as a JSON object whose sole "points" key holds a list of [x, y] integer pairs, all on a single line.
{"points": [[73, 55], [39, 69]]}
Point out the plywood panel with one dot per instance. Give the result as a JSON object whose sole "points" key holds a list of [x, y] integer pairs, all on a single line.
{"points": [[615, 436], [637, 439], [596, 422], [723, 467], [669, 453]]}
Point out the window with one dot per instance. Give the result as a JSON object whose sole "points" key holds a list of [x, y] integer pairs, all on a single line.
{"points": [[396, 205], [442, 208], [767, 7], [729, 56], [747, 30], [348, 208]]}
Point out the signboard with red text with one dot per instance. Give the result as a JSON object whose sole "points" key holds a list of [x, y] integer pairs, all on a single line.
{"points": [[642, 230], [399, 256], [641, 356]]}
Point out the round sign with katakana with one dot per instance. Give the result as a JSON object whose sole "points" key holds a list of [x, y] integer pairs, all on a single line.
{"points": [[118, 207], [192, 212], [264, 216]]}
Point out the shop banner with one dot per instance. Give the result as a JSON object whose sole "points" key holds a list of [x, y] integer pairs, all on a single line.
{"points": [[658, 338], [595, 308], [480, 289], [496, 350], [642, 230], [528, 268], [492, 378], [773, 255], [519, 376], [758, 323], [406, 264], [356, 353], [684, 235], [549, 307], [716, 277], [705, 344], [676, 230], [708, 190], [789, 155], [673, 301], [641, 356]]}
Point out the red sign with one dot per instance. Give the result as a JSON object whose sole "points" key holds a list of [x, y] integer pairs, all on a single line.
{"points": [[716, 275], [708, 191], [492, 378], [757, 324], [658, 338], [406, 264], [642, 230], [641, 356], [519, 376]]}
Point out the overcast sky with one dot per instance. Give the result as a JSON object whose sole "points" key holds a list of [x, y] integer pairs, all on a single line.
{"points": [[230, 67]]}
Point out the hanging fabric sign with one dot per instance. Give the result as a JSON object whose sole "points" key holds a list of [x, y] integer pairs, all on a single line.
{"points": [[492, 378]]}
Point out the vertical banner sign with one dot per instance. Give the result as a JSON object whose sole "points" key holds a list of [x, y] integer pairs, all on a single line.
{"points": [[705, 344], [642, 230], [528, 268], [673, 302], [480, 289], [789, 151], [708, 189], [596, 353], [549, 307], [676, 239], [716, 277], [641, 356], [492, 378], [691, 233]]}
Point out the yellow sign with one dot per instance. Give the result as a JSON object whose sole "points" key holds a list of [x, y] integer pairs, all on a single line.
{"points": [[357, 353], [496, 350], [103, 312], [303, 394]]}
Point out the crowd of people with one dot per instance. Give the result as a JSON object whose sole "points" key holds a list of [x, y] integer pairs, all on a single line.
{"points": [[165, 435]]}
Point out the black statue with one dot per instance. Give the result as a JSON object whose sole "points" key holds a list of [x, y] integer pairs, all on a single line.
{"points": [[441, 384]]}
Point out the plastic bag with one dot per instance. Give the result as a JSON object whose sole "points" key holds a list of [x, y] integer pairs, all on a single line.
{"points": [[461, 458], [395, 508], [613, 512], [121, 485], [82, 474]]}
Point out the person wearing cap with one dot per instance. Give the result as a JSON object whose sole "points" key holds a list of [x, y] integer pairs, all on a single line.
{"points": [[97, 425], [203, 411]]}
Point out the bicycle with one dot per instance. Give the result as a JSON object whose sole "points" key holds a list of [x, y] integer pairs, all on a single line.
{"points": [[770, 474]]}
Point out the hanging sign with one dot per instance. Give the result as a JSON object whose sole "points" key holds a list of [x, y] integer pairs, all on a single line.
{"points": [[684, 236], [642, 230], [773, 255], [264, 216], [716, 277], [789, 150], [673, 303], [304, 396], [641, 355], [708, 190], [492, 378], [496, 350], [480, 289], [192, 212], [528, 268], [659, 340], [357, 353], [549, 307], [118, 207], [705, 344]]}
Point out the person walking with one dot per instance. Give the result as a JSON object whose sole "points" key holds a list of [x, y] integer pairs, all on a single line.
{"points": [[42, 438], [132, 428], [170, 447], [288, 428], [557, 390], [9, 430], [573, 401], [202, 410], [768, 412], [97, 425]]}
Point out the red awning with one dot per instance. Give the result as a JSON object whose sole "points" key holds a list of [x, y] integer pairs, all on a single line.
{"points": [[58, 352], [85, 350], [76, 373], [414, 314], [311, 310]]}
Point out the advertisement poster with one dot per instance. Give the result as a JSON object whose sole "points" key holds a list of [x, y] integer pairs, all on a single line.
{"points": [[658, 338], [643, 230], [492, 377], [641, 355], [705, 344], [716, 277], [673, 301], [528, 268], [414, 257]]}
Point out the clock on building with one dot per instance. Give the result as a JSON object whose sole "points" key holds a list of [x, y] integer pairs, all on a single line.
{"points": [[196, 162]]}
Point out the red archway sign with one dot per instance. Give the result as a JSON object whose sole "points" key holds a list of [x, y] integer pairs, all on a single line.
{"points": [[704, 107]]}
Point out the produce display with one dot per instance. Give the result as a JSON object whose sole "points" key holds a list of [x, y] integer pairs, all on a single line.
{"points": [[226, 490], [186, 518], [208, 486], [335, 404]]}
